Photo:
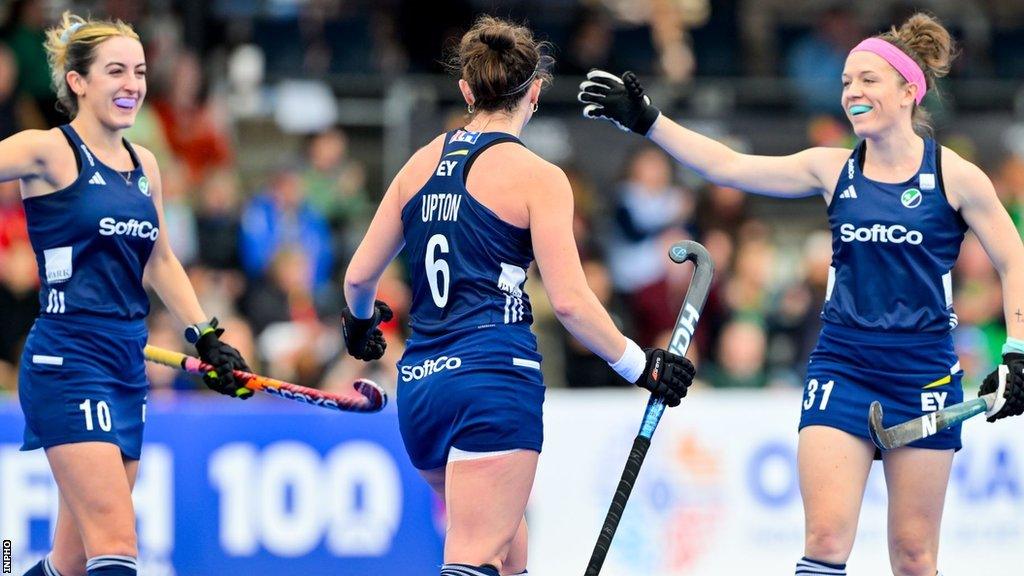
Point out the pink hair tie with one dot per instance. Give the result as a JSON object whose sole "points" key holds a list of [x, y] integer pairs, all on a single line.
{"points": [[899, 60]]}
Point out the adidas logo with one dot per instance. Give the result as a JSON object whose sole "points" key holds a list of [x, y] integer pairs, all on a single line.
{"points": [[849, 192], [97, 179]]}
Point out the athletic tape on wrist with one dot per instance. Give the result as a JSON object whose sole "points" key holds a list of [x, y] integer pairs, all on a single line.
{"points": [[1013, 345], [631, 365]]}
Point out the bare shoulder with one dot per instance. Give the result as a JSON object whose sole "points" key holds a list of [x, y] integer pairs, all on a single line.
{"points": [[42, 143], [420, 166], [958, 170], [828, 159], [962, 180], [148, 159], [528, 167], [827, 166]]}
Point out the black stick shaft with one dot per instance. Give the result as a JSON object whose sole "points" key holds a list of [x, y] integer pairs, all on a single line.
{"points": [[693, 304], [611, 521]]}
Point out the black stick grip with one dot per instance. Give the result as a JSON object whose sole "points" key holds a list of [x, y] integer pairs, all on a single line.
{"points": [[611, 521]]}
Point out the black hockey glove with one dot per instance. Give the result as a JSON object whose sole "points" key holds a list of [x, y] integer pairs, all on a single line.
{"points": [[621, 100], [363, 339], [666, 375], [1013, 391], [225, 359]]}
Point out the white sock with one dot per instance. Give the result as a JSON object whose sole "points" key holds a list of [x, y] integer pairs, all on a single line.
{"points": [[48, 566], [808, 567]]}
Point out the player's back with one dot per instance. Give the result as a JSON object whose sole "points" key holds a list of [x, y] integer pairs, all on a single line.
{"points": [[468, 265]]}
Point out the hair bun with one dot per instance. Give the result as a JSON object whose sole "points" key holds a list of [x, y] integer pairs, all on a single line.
{"points": [[498, 40]]}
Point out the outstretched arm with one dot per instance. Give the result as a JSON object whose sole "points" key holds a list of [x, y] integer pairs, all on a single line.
{"points": [[622, 101]]}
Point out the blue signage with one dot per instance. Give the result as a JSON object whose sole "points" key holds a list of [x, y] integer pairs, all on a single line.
{"points": [[262, 487]]}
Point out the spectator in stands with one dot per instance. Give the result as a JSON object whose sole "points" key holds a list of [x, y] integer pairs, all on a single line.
{"points": [[282, 216], [194, 126], [590, 45], [25, 33], [179, 216], [217, 221], [19, 298], [650, 214], [8, 92], [741, 356], [816, 60], [335, 185]]}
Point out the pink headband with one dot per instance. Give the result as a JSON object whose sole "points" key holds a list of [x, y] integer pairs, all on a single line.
{"points": [[899, 60]]}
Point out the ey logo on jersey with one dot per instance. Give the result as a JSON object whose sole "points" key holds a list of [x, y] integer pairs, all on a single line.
{"points": [[144, 186], [911, 198]]}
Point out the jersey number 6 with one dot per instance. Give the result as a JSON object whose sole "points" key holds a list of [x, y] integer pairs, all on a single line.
{"points": [[438, 275]]}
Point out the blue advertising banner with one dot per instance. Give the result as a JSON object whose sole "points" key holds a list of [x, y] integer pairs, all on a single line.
{"points": [[263, 487]]}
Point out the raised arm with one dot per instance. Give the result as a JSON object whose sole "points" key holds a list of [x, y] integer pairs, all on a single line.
{"points": [[972, 191], [622, 101], [575, 304]]}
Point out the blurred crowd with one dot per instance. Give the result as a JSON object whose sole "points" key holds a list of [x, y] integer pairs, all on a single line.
{"points": [[266, 241]]}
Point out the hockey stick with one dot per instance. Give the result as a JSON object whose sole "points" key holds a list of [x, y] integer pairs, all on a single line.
{"points": [[686, 323], [367, 395], [925, 426]]}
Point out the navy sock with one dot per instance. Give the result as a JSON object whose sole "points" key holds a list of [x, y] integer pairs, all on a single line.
{"points": [[467, 570], [112, 565], [43, 568], [808, 567]]}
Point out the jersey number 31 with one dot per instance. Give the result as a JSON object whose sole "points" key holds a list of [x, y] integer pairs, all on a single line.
{"points": [[812, 389]]}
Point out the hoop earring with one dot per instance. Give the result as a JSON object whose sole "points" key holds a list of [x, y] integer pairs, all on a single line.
{"points": [[469, 108], [535, 106]]}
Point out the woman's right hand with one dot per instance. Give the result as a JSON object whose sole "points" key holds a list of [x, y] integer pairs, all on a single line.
{"points": [[620, 100], [363, 339], [666, 375]]}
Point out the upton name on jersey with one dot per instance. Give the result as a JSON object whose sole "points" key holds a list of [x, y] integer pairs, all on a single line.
{"points": [[440, 207]]}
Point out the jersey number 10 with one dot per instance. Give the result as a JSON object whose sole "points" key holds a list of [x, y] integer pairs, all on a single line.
{"points": [[438, 274]]}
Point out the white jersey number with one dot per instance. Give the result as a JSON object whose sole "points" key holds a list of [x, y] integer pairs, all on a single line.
{"points": [[812, 389], [102, 414], [438, 275]]}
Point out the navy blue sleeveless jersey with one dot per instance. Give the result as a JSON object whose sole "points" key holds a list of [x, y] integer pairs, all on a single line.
{"points": [[893, 247], [93, 238], [468, 266]]}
